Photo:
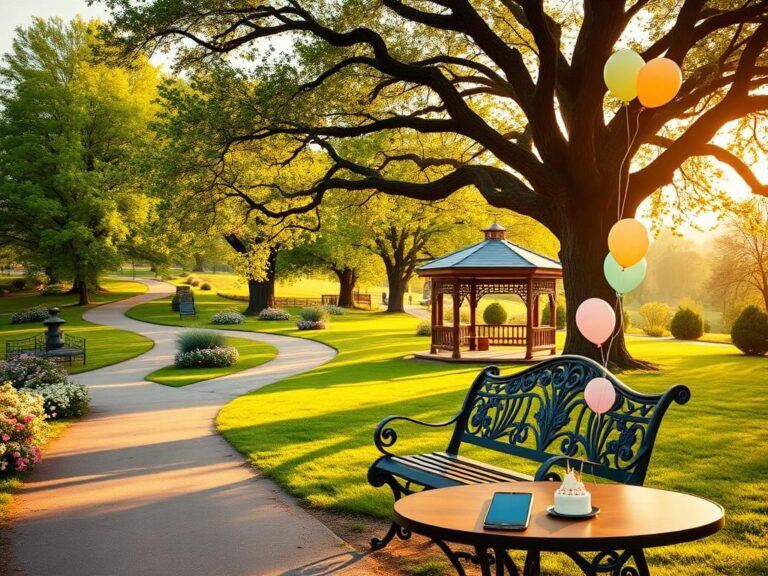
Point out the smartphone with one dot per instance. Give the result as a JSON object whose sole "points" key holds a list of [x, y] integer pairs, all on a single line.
{"points": [[509, 511]]}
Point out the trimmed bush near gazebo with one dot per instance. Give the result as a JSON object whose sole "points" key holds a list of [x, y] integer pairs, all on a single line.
{"points": [[495, 314], [686, 325], [750, 331]]}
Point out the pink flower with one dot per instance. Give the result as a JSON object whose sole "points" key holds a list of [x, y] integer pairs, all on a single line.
{"points": [[28, 419], [20, 426], [5, 437], [16, 455]]}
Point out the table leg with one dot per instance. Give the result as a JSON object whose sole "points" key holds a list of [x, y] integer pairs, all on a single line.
{"points": [[532, 563], [484, 560], [642, 566], [454, 557]]}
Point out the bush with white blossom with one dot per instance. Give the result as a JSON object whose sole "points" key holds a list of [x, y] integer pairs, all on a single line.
{"points": [[34, 314], [274, 314], [208, 357], [227, 317], [62, 397]]}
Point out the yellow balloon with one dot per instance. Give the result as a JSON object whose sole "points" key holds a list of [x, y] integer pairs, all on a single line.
{"points": [[628, 242], [658, 82], [620, 74]]}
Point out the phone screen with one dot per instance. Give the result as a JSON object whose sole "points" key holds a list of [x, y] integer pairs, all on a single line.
{"points": [[509, 511]]}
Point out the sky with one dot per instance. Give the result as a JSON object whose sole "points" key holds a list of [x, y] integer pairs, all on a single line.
{"points": [[15, 13]]}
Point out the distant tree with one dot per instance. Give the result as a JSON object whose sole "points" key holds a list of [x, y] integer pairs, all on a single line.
{"points": [[740, 271], [69, 128]]}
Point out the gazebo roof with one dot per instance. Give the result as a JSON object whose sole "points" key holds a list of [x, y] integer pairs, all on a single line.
{"points": [[492, 253]]}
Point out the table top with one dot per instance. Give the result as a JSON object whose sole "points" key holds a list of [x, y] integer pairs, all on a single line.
{"points": [[630, 517]]}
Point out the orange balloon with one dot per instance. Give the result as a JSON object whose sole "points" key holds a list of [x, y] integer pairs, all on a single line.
{"points": [[658, 82], [628, 242]]}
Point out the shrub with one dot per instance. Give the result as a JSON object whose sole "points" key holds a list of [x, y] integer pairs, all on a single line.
{"points": [[314, 314], [35, 314], [191, 279], [62, 397], [626, 320], [424, 328], [274, 314], [655, 317], [194, 282], [53, 290], [183, 274], [206, 286], [217, 357], [334, 310], [22, 428], [227, 317], [750, 331], [463, 316], [559, 315], [495, 314], [199, 340], [34, 280], [311, 325], [18, 284], [686, 325]]}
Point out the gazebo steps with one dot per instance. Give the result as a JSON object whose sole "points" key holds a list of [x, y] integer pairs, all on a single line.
{"points": [[494, 356]]}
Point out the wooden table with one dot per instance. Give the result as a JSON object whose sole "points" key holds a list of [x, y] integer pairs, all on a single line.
{"points": [[631, 519]]}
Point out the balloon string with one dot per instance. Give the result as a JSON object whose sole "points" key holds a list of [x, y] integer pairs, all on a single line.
{"points": [[624, 190]]}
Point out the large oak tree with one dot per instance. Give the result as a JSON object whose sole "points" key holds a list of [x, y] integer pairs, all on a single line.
{"points": [[515, 84]]}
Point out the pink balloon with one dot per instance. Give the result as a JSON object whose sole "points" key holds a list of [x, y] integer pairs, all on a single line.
{"points": [[596, 320], [600, 395]]}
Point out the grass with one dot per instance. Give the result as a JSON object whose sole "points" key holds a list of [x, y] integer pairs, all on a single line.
{"points": [[105, 345], [312, 433], [252, 354]]}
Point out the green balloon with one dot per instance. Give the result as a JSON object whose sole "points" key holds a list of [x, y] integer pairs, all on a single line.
{"points": [[624, 280], [620, 74]]}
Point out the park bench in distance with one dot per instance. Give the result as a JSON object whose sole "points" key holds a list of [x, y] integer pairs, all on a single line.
{"points": [[187, 308], [73, 349], [539, 415]]}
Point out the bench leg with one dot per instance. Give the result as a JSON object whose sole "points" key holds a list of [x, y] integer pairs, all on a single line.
{"points": [[378, 478]]}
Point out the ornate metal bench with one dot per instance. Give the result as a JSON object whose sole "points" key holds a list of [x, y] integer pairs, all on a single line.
{"points": [[538, 414], [73, 348]]}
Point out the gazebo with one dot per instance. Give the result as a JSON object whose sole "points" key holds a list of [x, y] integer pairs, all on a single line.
{"points": [[493, 266]]}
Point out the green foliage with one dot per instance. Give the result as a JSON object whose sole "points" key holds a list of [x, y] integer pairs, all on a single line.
{"points": [[750, 331], [213, 357], [206, 286], [626, 319], [53, 290], [34, 314], [495, 313], [463, 316], [686, 325], [655, 318], [199, 340], [70, 128], [561, 314], [314, 314], [424, 328], [18, 284]]}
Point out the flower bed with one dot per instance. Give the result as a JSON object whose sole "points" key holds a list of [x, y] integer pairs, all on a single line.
{"points": [[62, 397], [22, 428], [207, 357], [35, 314], [311, 325], [334, 310], [227, 317], [274, 314]]}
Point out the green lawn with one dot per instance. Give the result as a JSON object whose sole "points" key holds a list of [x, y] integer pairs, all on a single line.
{"points": [[251, 354], [312, 433], [105, 345]]}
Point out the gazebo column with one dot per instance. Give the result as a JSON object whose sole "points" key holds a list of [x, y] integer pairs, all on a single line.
{"points": [[536, 314], [529, 323], [456, 319], [440, 316], [473, 315], [433, 314], [553, 321]]}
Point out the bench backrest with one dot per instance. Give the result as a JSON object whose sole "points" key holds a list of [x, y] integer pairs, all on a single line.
{"points": [[541, 412]]}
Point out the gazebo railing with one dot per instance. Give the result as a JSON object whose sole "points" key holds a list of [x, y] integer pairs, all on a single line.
{"points": [[502, 334], [543, 336], [442, 336]]}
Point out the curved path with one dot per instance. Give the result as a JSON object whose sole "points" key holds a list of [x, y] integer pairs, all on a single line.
{"points": [[145, 486]]}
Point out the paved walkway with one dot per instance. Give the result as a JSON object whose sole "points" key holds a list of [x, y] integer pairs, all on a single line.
{"points": [[144, 486]]}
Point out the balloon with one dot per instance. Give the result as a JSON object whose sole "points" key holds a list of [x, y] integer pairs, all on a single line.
{"points": [[628, 241], [624, 280], [620, 74], [596, 320], [658, 82], [600, 395]]}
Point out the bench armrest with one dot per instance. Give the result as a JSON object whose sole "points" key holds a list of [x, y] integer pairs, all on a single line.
{"points": [[385, 436], [544, 471]]}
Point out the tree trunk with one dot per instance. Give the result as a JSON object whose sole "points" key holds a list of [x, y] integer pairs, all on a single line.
{"points": [[398, 286], [261, 293], [53, 277], [198, 263], [347, 280], [81, 285], [584, 245]]}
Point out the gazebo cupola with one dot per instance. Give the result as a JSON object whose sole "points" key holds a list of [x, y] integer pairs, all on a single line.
{"points": [[493, 266]]}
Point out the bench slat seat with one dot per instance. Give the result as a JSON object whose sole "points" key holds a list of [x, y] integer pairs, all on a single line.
{"points": [[538, 415]]}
